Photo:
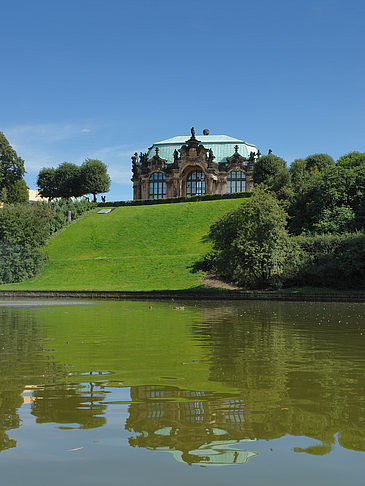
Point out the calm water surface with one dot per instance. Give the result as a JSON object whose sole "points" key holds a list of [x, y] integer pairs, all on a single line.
{"points": [[116, 393]]}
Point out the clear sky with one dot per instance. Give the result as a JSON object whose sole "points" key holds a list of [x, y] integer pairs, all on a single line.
{"points": [[103, 79]]}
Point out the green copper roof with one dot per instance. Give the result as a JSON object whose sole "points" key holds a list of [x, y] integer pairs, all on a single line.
{"points": [[221, 145]]}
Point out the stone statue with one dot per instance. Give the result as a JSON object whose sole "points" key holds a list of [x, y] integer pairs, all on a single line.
{"points": [[192, 132], [258, 154], [134, 158], [211, 157], [252, 157], [176, 155], [135, 164], [270, 152]]}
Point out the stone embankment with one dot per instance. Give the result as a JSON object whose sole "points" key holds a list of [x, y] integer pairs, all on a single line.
{"points": [[211, 294]]}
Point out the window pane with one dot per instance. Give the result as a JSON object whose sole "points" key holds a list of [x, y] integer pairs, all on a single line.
{"points": [[236, 181], [157, 186], [195, 183]]}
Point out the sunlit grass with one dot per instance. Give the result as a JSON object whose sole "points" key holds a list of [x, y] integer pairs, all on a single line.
{"points": [[131, 248]]}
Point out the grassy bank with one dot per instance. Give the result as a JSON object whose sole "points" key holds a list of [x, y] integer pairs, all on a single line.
{"points": [[131, 248]]}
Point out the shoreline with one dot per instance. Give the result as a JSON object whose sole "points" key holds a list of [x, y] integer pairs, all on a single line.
{"points": [[188, 295]]}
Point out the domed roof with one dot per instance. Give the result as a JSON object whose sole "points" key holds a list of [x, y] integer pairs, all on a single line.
{"points": [[222, 146]]}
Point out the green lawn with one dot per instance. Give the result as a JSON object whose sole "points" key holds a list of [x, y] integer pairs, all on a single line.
{"points": [[131, 248]]}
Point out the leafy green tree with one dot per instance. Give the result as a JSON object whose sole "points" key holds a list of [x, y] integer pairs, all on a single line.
{"points": [[271, 171], [319, 162], [298, 174], [251, 244], [46, 182], [18, 192], [95, 178], [352, 160], [68, 180], [11, 166]]}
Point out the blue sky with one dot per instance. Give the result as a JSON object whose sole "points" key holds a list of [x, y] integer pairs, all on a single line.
{"points": [[103, 79]]}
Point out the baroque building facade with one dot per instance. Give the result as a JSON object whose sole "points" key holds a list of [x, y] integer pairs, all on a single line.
{"points": [[181, 166]]}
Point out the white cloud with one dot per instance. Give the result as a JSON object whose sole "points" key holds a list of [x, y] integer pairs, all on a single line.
{"points": [[47, 145], [43, 132]]}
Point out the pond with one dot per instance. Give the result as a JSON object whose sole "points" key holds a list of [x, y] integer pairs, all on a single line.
{"points": [[160, 393]]}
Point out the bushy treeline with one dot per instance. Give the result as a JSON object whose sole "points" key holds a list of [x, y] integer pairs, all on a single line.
{"points": [[70, 180], [24, 230], [303, 226]]}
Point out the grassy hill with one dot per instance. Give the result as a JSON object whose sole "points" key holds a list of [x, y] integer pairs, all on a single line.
{"points": [[131, 248]]}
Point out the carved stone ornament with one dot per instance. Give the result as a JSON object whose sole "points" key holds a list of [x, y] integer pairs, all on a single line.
{"points": [[156, 162], [236, 160]]}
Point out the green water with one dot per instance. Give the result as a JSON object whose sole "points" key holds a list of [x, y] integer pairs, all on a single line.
{"points": [[118, 393]]}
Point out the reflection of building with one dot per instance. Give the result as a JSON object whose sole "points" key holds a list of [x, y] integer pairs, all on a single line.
{"points": [[196, 427], [214, 164]]}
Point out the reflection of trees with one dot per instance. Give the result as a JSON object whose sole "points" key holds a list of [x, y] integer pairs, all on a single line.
{"points": [[198, 424], [25, 366], [298, 370], [66, 404], [18, 349]]}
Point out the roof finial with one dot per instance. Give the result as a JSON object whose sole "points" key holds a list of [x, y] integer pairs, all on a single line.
{"points": [[236, 148], [157, 149]]}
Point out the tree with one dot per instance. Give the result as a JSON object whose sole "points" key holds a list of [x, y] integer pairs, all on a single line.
{"points": [[319, 162], [11, 166], [352, 160], [68, 180], [18, 192], [95, 178], [46, 182], [251, 244], [271, 170]]}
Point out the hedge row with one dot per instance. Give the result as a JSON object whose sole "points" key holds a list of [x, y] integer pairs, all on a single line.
{"points": [[169, 200], [24, 230]]}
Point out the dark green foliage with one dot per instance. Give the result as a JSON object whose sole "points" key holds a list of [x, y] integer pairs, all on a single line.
{"points": [[46, 182], [331, 260], [251, 244], [19, 263], [11, 166], [351, 160], [59, 212], [25, 224], [68, 180], [336, 193], [299, 174], [169, 200], [319, 162], [95, 178], [24, 229], [17, 192], [271, 171]]}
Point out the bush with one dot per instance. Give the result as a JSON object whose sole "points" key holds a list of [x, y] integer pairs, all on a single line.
{"points": [[24, 229], [18, 263], [251, 245], [330, 260]]}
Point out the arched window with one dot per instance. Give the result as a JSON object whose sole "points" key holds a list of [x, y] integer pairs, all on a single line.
{"points": [[157, 186], [195, 183], [236, 181]]}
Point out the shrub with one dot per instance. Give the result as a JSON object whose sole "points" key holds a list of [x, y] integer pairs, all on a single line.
{"points": [[330, 260], [250, 244]]}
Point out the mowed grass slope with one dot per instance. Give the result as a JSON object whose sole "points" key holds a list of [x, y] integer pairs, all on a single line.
{"points": [[131, 248]]}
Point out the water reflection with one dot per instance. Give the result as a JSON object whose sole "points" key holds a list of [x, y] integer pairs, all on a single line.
{"points": [[236, 373], [195, 426]]}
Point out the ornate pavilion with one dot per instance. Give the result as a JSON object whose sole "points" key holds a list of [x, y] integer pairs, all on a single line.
{"points": [[182, 166]]}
